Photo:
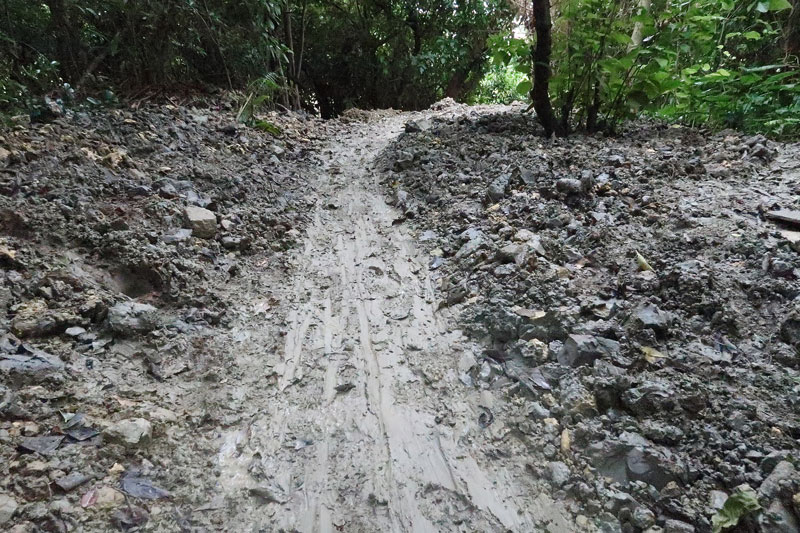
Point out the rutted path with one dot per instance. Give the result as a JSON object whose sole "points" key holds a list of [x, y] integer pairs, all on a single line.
{"points": [[359, 421]]}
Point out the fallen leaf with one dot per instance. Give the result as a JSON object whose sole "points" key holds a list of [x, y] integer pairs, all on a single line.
{"points": [[140, 487], [652, 355], [642, 262], [89, 499], [738, 505]]}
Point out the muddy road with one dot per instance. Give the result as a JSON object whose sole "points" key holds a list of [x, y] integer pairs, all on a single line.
{"points": [[366, 426], [406, 322]]}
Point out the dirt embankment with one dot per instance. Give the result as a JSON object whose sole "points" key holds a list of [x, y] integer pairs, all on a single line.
{"points": [[126, 239], [637, 300]]}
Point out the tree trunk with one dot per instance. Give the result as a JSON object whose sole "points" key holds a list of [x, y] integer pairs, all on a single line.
{"points": [[67, 44], [466, 78], [638, 27], [791, 41], [540, 94]]}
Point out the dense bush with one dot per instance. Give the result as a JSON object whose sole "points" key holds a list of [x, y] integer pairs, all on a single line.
{"points": [[715, 62], [134, 44], [329, 55]]}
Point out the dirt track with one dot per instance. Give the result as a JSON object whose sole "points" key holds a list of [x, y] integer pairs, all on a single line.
{"points": [[301, 366], [367, 427]]}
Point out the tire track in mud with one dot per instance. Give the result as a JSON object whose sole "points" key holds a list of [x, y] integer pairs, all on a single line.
{"points": [[347, 437]]}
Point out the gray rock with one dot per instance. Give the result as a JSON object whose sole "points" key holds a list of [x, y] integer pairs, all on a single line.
{"points": [[654, 466], [24, 360], [416, 126], [651, 317], [790, 329], [568, 186], [650, 397], [558, 473], [575, 398], [716, 499], [676, 526], [8, 506], [404, 161], [503, 324], [127, 318], [130, 432], [476, 241], [232, 242], [497, 189], [783, 474], [581, 350], [538, 411], [632, 458], [789, 216], [512, 253], [181, 235], [643, 518], [528, 177], [778, 519], [771, 460], [608, 523], [717, 170], [202, 222], [546, 328], [75, 331]]}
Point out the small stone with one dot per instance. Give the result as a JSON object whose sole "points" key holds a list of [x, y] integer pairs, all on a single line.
{"points": [[404, 161], [651, 317], [558, 473], [650, 397], [75, 331], [108, 497], [181, 235], [778, 519], [716, 499], [202, 222], [790, 216], [783, 473], [131, 431], [497, 189], [676, 526], [581, 350], [568, 186], [5, 157], [128, 318], [8, 506], [643, 518], [538, 411]]}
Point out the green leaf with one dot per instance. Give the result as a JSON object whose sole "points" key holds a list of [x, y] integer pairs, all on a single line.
{"points": [[752, 35], [738, 505], [779, 5], [621, 38], [762, 7], [268, 127], [524, 87]]}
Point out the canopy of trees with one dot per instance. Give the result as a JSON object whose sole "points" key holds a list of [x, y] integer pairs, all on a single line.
{"points": [[719, 62]]}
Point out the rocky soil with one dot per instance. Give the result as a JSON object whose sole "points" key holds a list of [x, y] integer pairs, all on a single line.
{"points": [[127, 236], [211, 328], [637, 302]]}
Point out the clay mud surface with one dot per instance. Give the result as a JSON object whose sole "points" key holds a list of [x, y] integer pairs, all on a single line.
{"points": [[430, 321]]}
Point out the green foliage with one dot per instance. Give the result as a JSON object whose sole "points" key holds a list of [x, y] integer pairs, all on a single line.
{"points": [[261, 92], [714, 62], [736, 507], [403, 53], [507, 78], [135, 44], [501, 84]]}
